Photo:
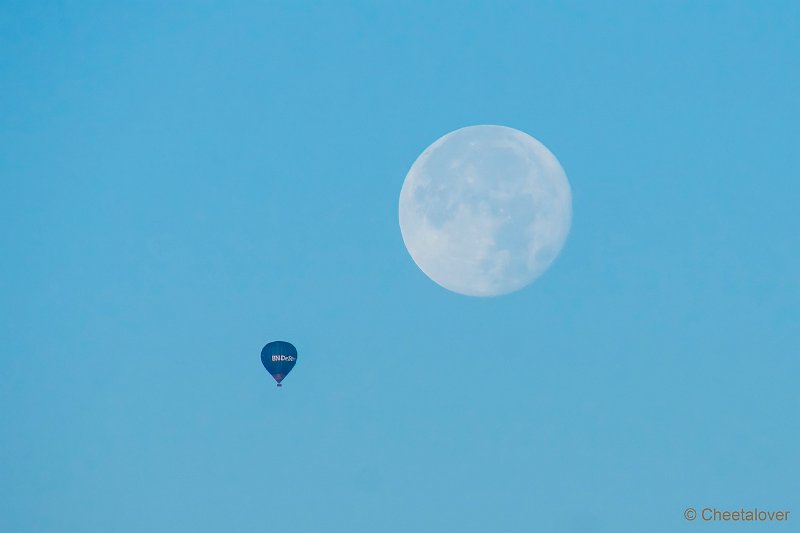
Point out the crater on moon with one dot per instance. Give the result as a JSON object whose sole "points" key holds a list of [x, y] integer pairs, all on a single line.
{"points": [[485, 210]]}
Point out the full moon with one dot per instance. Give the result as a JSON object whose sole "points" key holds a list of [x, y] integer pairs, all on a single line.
{"points": [[485, 210]]}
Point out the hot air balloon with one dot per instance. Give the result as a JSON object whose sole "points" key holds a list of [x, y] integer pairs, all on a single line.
{"points": [[278, 358]]}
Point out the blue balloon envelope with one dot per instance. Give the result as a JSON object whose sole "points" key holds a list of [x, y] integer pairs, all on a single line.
{"points": [[279, 357]]}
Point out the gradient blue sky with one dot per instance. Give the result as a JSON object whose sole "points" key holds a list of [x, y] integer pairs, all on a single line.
{"points": [[183, 182]]}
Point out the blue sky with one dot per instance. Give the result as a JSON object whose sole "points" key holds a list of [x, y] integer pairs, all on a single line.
{"points": [[182, 183]]}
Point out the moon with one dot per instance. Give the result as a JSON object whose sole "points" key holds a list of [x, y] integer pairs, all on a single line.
{"points": [[485, 210]]}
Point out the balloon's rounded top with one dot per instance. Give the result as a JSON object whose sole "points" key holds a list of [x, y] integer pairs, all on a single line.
{"points": [[279, 348]]}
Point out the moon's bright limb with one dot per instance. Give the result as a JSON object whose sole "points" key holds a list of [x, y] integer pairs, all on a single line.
{"points": [[485, 210]]}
